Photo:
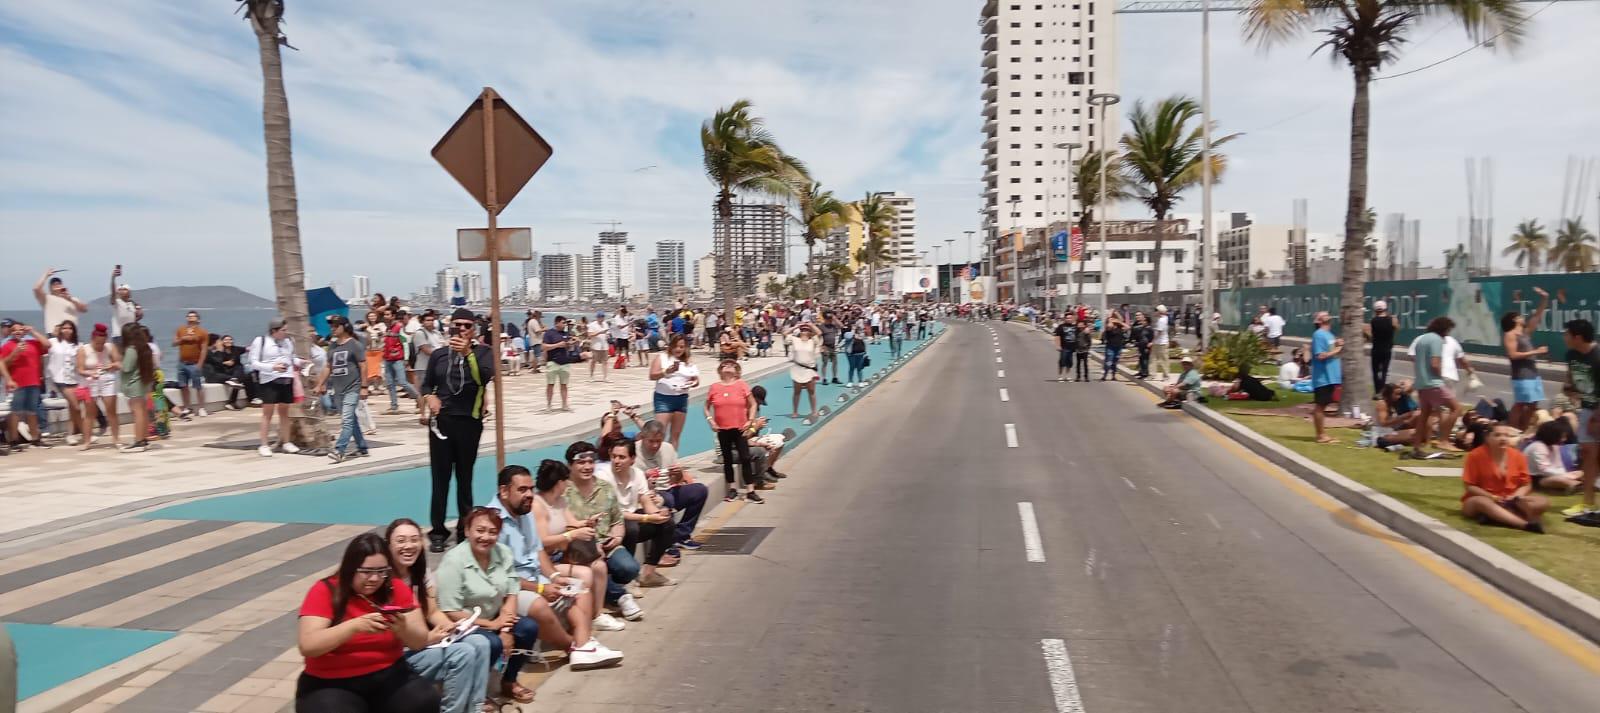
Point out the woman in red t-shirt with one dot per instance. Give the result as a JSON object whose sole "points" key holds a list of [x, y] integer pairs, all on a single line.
{"points": [[728, 408], [1498, 488], [354, 629]]}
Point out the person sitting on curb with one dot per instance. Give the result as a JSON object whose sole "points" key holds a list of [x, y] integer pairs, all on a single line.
{"points": [[1545, 466], [476, 578], [643, 521], [764, 448], [589, 497], [1186, 387], [461, 667], [672, 482], [559, 601], [1498, 487]]}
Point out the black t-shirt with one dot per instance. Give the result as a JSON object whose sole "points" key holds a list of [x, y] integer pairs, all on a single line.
{"points": [[459, 382], [1115, 337], [1383, 333], [1068, 335], [557, 355], [1584, 369]]}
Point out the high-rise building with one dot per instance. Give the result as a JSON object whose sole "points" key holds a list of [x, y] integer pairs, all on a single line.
{"points": [[705, 275], [361, 288], [666, 269], [1041, 61], [445, 283], [530, 270], [586, 277], [556, 277], [472, 287], [753, 242], [614, 265], [902, 241]]}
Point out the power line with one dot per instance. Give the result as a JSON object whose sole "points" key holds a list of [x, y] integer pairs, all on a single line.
{"points": [[1496, 36]]}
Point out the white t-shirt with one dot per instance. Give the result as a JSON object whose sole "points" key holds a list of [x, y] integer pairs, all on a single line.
{"points": [[62, 364], [1288, 373], [1161, 329], [1447, 359], [58, 309], [665, 458], [432, 338], [676, 383], [1543, 460], [597, 336], [268, 354], [629, 490], [621, 327], [1274, 325], [122, 312]]}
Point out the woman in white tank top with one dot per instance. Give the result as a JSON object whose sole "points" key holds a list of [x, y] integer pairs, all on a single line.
{"points": [[97, 365]]}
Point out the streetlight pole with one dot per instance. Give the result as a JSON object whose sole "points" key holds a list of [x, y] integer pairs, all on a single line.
{"points": [[1103, 100], [1206, 234], [1016, 256], [1049, 223], [950, 273]]}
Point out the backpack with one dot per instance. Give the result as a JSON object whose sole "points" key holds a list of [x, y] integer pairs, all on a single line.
{"points": [[394, 348]]}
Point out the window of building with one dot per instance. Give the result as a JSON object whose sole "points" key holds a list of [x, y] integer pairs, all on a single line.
{"points": [[1016, 7], [1017, 128], [1016, 76], [1038, 128], [1038, 111], [1075, 78], [1091, 60], [1016, 24], [1091, 43], [1038, 163], [1015, 197], [1016, 163], [1076, 41], [1041, 180], [1017, 95], [1016, 146], [1141, 256], [1038, 215], [1038, 42], [1016, 59], [1016, 42], [1177, 256], [1018, 180], [1038, 94], [1121, 254], [1038, 198], [1091, 25], [1038, 24], [1143, 278], [1016, 111], [1076, 24]]}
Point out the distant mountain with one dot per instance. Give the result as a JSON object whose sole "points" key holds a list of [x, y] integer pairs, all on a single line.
{"points": [[204, 296]]}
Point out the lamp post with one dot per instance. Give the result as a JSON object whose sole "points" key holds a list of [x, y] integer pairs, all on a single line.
{"points": [[1049, 223], [1016, 255], [950, 255], [1103, 100], [1206, 230]]}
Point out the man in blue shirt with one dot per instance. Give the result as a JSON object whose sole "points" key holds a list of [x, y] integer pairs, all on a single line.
{"points": [[1434, 397], [652, 327], [1326, 375]]}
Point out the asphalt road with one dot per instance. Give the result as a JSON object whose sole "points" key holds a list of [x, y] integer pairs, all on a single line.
{"points": [[1170, 571]]}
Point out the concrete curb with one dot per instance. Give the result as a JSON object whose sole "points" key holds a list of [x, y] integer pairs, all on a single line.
{"points": [[1541, 592]]}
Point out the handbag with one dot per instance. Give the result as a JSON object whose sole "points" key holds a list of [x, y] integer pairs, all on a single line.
{"points": [[866, 360]]}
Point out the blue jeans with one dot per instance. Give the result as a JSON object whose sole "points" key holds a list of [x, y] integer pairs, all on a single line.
{"points": [[462, 668], [856, 360], [689, 498], [347, 423], [1110, 367], [524, 635], [394, 374], [895, 340], [624, 569]]}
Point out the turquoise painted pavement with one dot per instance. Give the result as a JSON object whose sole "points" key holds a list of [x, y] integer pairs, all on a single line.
{"points": [[48, 656], [379, 498]]}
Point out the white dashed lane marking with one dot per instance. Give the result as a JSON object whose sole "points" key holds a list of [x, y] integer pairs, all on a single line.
{"points": [[1032, 545], [1004, 395]]}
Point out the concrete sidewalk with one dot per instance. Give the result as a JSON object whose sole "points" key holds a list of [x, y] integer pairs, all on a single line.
{"points": [[46, 489]]}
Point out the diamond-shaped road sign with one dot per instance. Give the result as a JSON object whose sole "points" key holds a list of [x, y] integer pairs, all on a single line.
{"points": [[518, 152]]}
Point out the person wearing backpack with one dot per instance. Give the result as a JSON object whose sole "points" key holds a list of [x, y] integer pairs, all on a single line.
{"points": [[394, 364]]}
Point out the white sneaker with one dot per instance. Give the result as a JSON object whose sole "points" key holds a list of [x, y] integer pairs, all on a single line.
{"points": [[203, 412], [73, 439], [630, 608], [606, 622], [265, 451], [288, 447], [592, 654], [255, 402]]}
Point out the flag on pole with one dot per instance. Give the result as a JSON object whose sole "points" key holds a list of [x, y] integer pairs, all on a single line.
{"points": [[456, 297]]}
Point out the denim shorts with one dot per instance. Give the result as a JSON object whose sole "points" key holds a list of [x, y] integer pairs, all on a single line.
{"points": [[1527, 391], [190, 375], [672, 403], [27, 399], [1585, 417]]}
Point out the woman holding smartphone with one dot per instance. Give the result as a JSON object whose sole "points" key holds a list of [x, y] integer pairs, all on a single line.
{"points": [[675, 377], [462, 668], [354, 629], [477, 574]]}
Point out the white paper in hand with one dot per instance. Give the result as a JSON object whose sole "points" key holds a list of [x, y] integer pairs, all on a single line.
{"points": [[465, 626]]}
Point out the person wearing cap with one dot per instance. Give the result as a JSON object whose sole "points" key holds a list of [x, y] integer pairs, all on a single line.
{"points": [[1274, 323], [342, 382], [59, 304], [123, 308], [764, 447], [271, 358], [804, 350], [455, 386], [1163, 337], [1187, 385], [1380, 331], [97, 365], [23, 353], [599, 345]]}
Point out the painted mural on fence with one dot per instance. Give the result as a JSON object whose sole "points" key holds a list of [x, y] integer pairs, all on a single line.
{"points": [[1474, 303]]}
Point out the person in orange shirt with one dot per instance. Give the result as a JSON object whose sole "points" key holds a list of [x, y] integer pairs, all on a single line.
{"points": [[191, 341], [1498, 488]]}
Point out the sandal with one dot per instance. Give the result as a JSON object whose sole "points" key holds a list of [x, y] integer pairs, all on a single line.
{"points": [[518, 692]]}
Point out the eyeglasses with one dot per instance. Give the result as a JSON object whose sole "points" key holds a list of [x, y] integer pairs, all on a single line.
{"points": [[464, 325], [372, 572]]}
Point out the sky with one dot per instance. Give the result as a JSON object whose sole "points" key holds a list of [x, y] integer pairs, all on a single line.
{"points": [[132, 129]]}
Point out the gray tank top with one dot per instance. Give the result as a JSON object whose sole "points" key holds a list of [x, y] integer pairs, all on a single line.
{"points": [[1524, 368]]}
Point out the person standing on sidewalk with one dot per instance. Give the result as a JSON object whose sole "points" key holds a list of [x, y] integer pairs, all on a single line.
{"points": [[455, 386], [1066, 346], [394, 362], [59, 305], [1143, 337], [728, 408], [1583, 386], [123, 309], [1158, 349], [1380, 333], [1527, 389], [342, 382], [1274, 324], [1433, 393], [1114, 338], [1327, 376], [191, 341], [271, 359]]}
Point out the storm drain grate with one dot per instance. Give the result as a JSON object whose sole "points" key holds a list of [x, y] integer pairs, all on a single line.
{"points": [[733, 541]]}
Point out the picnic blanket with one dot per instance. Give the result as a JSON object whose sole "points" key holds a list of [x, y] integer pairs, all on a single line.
{"points": [[1302, 412]]}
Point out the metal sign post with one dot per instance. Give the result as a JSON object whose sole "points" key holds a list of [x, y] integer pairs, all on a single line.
{"points": [[492, 153]]}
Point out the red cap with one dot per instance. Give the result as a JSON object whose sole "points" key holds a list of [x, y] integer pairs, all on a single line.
{"points": [[101, 328]]}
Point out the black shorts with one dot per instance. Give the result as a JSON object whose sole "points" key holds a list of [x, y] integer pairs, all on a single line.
{"points": [[276, 392], [1324, 395], [1064, 359], [620, 344]]}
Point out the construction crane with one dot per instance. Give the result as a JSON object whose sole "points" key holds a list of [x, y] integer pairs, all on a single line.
{"points": [[612, 223], [1140, 7]]}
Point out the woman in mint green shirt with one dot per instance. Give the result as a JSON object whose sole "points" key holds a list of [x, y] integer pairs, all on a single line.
{"points": [[478, 573]]}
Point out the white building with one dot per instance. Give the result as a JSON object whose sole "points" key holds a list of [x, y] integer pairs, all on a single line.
{"points": [[586, 277], [556, 278], [445, 283], [665, 271], [361, 288], [472, 287], [1130, 267], [614, 265], [705, 276], [1041, 61], [754, 242], [1249, 251], [902, 241]]}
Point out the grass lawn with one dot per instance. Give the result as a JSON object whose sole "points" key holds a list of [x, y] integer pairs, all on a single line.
{"points": [[1568, 552]]}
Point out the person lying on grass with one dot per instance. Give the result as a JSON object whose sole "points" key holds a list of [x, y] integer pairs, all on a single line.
{"points": [[1498, 488]]}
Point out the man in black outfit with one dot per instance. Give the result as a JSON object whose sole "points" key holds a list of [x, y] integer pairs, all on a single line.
{"points": [[455, 386], [1380, 332]]}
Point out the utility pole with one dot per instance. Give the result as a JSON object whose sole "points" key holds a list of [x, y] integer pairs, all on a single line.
{"points": [[1207, 231]]}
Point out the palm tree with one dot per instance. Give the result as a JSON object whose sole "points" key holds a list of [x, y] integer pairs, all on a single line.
{"points": [[742, 156], [1086, 178], [1575, 249], [288, 267], [1528, 243], [821, 213], [839, 273], [1366, 35], [877, 220], [774, 287], [1455, 254], [1162, 157]]}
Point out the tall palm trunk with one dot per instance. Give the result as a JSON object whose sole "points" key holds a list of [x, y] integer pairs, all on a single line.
{"points": [[725, 209], [811, 268], [1155, 260], [288, 267], [1351, 281], [1083, 230]]}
